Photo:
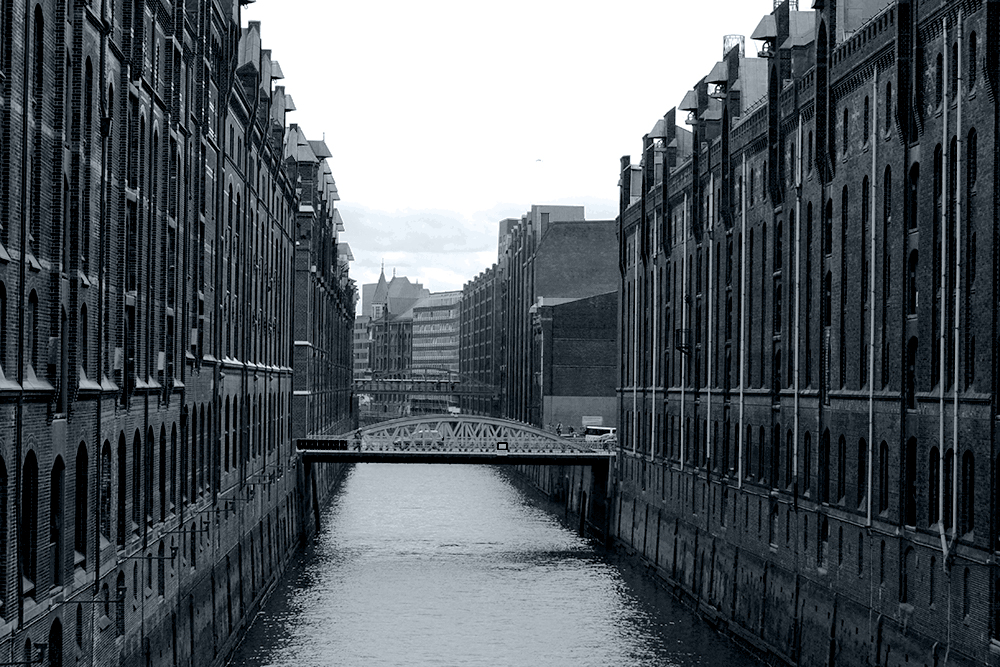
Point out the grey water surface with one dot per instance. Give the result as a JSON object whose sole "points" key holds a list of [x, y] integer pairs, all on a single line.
{"points": [[454, 565]]}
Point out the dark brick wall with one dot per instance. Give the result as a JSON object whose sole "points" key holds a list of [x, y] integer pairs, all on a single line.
{"points": [[148, 236], [737, 472]]}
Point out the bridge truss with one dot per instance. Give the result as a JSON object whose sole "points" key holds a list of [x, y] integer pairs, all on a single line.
{"points": [[452, 439]]}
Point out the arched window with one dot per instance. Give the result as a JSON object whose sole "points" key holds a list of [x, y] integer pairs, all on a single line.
{"points": [[148, 469], [932, 582], [911, 373], [906, 576], [57, 491], [841, 469], [789, 463], [772, 526], [225, 449], [84, 340], [867, 122], [966, 592], [778, 251], [948, 490], [747, 449], [54, 649], [968, 507], [953, 71], [172, 476], [807, 461], [120, 591], [161, 579], [31, 334], [888, 107], [136, 482], [3, 318], [822, 542], [910, 482], [883, 476], [761, 446], [28, 537], [824, 467], [105, 499], [973, 65], [911, 206], [775, 455], [845, 133], [164, 463], [939, 81], [862, 471], [933, 486], [3, 538], [81, 507], [809, 161], [38, 99], [120, 528]]}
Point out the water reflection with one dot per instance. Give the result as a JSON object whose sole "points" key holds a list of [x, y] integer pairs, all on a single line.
{"points": [[452, 565]]}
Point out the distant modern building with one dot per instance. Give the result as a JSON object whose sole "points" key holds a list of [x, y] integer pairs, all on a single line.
{"points": [[361, 345], [435, 332]]}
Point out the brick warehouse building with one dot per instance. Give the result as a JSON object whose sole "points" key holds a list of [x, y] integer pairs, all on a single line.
{"points": [[808, 373], [478, 341], [550, 252], [151, 229]]}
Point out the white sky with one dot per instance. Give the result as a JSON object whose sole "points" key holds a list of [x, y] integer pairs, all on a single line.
{"points": [[445, 117]]}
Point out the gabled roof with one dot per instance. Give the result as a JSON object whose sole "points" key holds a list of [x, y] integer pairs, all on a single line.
{"points": [[319, 148]]}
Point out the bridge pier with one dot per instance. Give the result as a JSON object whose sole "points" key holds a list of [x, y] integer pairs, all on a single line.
{"points": [[311, 481]]}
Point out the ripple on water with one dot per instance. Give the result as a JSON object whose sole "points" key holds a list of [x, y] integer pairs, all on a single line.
{"points": [[452, 565]]}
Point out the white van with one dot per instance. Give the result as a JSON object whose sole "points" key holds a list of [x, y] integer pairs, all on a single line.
{"points": [[600, 433]]}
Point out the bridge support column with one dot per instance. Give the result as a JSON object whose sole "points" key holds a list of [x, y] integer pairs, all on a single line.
{"points": [[311, 480]]}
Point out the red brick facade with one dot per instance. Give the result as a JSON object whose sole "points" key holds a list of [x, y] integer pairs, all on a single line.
{"points": [[149, 491], [807, 435]]}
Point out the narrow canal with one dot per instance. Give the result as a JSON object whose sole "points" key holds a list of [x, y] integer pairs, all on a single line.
{"points": [[454, 565]]}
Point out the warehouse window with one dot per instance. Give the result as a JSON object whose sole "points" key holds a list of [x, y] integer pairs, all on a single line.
{"points": [[81, 507], [933, 486], [883, 476], [968, 497]]}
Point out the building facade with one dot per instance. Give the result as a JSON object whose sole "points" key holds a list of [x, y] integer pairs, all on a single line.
{"points": [[575, 362], [808, 366], [148, 480], [478, 359], [436, 323], [550, 253]]}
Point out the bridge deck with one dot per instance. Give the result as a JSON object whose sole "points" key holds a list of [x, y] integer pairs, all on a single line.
{"points": [[457, 456]]}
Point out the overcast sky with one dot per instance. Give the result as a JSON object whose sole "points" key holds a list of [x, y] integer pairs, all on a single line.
{"points": [[445, 117]]}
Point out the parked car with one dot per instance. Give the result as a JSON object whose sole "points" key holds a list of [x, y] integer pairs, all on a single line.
{"points": [[600, 433]]}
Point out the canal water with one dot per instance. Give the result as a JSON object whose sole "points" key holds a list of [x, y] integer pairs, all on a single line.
{"points": [[454, 565]]}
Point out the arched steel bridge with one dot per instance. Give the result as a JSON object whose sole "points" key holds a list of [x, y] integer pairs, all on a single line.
{"points": [[451, 438]]}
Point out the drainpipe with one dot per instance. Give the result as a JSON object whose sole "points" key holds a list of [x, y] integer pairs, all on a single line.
{"points": [[635, 336], [743, 310], [684, 244], [105, 136], [871, 300], [710, 307], [958, 266], [798, 288], [944, 310], [22, 287], [653, 339]]}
